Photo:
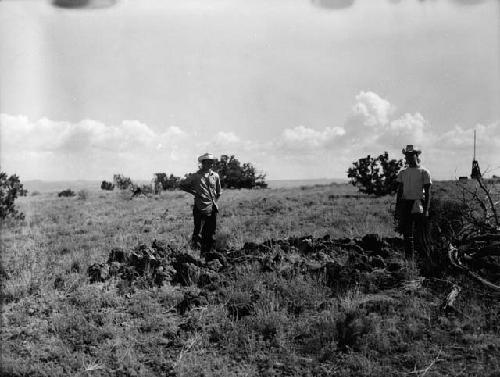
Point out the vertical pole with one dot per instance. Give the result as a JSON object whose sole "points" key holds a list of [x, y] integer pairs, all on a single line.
{"points": [[474, 159]]}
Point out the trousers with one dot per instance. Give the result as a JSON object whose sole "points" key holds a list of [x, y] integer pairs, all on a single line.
{"points": [[205, 226], [415, 230]]}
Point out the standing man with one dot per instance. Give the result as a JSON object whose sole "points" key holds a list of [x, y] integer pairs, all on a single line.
{"points": [[412, 206], [205, 186]]}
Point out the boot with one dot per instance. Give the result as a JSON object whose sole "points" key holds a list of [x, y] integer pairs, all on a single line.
{"points": [[409, 247]]}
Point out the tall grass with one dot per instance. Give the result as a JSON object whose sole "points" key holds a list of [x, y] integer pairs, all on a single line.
{"points": [[55, 323]]}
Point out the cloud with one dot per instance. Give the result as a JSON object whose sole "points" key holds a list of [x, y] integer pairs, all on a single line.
{"points": [[373, 110], [306, 139], [224, 138], [50, 149], [42, 146], [408, 129]]}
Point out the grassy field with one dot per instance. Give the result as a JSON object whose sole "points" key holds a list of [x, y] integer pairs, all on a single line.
{"points": [[55, 322]]}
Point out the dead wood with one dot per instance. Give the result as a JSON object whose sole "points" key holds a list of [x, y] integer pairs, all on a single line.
{"points": [[452, 296], [457, 260]]}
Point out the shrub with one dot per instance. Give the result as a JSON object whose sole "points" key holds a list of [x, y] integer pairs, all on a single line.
{"points": [[10, 188], [66, 193], [233, 174], [163, 182], [83, 194], [122, 182], [375, 176], [107, 186], [171, 183]]}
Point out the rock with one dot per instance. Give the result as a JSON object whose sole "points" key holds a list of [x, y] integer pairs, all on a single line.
{"points": [[384, 252], [377, 261], [161, 247], [98, 272], [163, 274], [190, 301], [251, 247], [208, 278], [372, 242], [239, 308], [117, 255], [115, 268], [339, 276], [215, 256], [394, 242], [186, 274], [214, 265], [394, 266], [350, 330], [144, 258], [181, 258], [305, 245], [359, 262]]}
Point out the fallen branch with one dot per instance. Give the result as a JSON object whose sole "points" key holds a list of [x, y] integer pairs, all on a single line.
{"points": [[488, 195], [423, 372], [452, 296], [456, 260]]}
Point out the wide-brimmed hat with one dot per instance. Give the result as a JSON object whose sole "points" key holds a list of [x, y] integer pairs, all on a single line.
{"points": [[410, 149], [206, 156]]}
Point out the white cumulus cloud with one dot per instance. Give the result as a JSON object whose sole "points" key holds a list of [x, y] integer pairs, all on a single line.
{"points": [[372, 109], [308, 139], [50, 149]]}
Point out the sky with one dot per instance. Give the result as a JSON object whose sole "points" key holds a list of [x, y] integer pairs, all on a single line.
{"points": [[299, 88]]}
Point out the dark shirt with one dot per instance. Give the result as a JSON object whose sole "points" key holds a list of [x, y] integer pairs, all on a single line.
{"points": [[206, 189]]}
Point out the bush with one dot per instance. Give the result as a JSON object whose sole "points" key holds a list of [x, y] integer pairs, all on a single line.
{"points": [[83, 194], [10, 188], [233, 174], [66, 193], [123, 183], [171, 183], [375, 176], [107, 186], [163, 182]]}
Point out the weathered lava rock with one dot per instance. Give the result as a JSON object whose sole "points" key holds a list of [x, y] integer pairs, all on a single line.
{"points": [[190, 301], [98, 272]]}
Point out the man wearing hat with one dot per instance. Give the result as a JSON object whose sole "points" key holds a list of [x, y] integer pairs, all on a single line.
{"points": [[204, 185], [413, 199]]}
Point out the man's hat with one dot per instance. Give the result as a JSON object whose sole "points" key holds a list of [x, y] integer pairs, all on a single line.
{"points": [[410, 149], [206, 156]]}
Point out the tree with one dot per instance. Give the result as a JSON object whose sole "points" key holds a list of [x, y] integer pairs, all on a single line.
{"points": [[235, 175], [107, 186], [375, 176], [123, 183], [10, 188], [171, 182]]}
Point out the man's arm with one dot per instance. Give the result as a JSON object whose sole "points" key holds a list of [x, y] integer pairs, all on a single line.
{"points": [[187, 185], [217, 188], [427, 198]]}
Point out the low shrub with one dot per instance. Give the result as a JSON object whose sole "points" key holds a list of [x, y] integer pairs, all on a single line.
{"points": [[83, 194], [66, 193]]}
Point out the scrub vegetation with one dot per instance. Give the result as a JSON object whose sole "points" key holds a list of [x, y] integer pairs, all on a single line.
{"points": [[307, 281]]}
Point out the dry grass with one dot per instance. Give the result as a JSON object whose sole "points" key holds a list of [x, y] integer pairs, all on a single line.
{"points": [[55, 323]]}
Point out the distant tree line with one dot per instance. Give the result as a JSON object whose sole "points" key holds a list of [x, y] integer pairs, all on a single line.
{"points": [[233, 174]]}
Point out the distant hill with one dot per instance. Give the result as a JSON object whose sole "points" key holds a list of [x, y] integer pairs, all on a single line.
{"points": [[95, 185], [56, 186]]}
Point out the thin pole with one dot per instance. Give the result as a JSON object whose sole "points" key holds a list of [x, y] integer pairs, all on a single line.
{"points": [[474, 159]]}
